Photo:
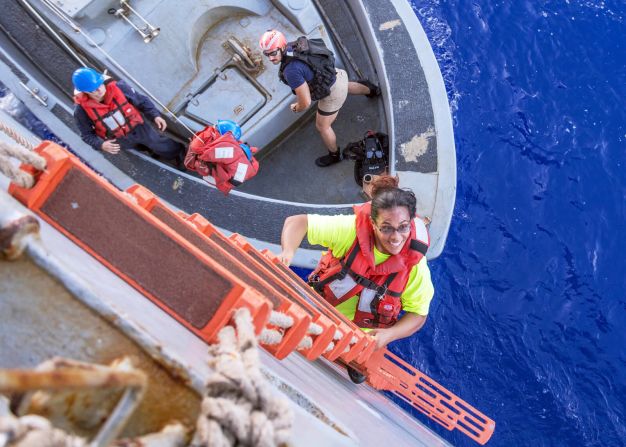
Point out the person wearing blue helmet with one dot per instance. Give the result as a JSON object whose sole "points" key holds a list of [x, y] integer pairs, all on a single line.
{"points": [[224, 126], [111, 116]]}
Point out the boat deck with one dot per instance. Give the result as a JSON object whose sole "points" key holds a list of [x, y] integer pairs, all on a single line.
{"points": [[413, 110], [288, 171]]}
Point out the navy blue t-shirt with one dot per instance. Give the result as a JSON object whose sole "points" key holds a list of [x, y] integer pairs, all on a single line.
{"points": [[297, 73]]}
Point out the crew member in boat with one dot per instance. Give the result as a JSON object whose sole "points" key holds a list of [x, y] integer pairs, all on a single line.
{"points": [[111, 115], [307, 66], [376, 265]]}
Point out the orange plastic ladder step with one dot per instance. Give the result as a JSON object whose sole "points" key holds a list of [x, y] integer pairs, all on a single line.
{"points": [[319, 342], [358, 351], [292, 336], [387, 371], [148, 255]]}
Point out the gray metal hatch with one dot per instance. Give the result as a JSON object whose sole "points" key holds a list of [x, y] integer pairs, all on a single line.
{"points": [[231, 96]]}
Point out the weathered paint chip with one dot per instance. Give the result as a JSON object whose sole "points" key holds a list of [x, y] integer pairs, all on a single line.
{"points": [[391, 24], [418, 145]]}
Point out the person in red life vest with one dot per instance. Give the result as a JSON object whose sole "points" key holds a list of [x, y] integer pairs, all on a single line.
{"points": [[110, 116], [376, 264], [307, 66]]}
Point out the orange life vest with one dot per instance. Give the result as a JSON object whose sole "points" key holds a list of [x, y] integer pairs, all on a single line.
{"points": [[221, 159], [379, 287], [114, 116]]}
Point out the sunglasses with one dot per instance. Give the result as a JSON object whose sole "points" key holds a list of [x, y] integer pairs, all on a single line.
{"points": [[388, 229], [271, 53]]}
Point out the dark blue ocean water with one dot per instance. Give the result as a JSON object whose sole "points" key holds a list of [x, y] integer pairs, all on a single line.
{"points": [[528, 321]]}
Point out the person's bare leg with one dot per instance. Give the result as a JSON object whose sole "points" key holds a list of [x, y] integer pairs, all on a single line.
{"points": [[323, 123], [354, 88]]}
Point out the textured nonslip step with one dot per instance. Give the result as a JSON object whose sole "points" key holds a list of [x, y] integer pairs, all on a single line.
{"points": [[355, 344], [329, 336], [163, 266], [290, 337], [348, 342]]}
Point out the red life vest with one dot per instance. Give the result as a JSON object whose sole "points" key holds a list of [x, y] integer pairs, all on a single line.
{"points": [[221, 159], [114, 116], [379, 287]]}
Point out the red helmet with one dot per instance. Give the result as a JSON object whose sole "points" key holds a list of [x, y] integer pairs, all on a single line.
{"points": [[272, 40]]}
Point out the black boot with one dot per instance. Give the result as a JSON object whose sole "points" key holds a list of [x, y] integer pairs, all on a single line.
{"points": [[330, 159], [374, 89], [356, 376]]}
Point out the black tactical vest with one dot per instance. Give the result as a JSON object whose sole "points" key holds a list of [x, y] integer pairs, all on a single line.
{"points": [[319, 58]]}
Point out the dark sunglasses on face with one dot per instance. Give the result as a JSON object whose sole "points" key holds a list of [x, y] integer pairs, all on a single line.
{"points": [[271, 53], [388, 229]]}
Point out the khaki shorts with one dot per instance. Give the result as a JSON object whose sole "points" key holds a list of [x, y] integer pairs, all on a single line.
{"points": [[338, 94]]}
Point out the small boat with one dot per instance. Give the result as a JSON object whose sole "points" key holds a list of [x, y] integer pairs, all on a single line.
{"points": [[199, 62]]}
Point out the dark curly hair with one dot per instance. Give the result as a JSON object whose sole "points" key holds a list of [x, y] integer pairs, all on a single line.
{"points": [[387, 195]]}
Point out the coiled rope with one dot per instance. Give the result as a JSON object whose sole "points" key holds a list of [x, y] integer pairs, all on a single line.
{"points": [[21, 152], [239, 408], [32, 431]]}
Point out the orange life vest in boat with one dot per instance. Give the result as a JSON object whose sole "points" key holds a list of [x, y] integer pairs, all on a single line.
{"points": [[379, 287], [221, 160], [114, 116]]}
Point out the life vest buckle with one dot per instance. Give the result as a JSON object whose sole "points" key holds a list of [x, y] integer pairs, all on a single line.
{"points": [[381, 290]]}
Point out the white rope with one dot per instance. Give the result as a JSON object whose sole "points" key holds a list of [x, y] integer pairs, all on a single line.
{"points": [[19, 177], [15, 136], [314, 329], [338, 336], [280, 319], [305, 343], [270, 337], [353, 340], [239, 407], [23, 154], [34, 431]]}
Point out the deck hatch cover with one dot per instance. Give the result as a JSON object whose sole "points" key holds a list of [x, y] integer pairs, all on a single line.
{"points": [[231, 96]]}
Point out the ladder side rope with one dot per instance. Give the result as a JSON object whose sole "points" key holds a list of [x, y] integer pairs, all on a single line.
{"points": [[19, 177], [32, 430], [239, 408], [17, 137], [126, 74]]}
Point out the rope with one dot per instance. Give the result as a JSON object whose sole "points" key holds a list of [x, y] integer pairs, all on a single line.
{"points": [[34, 431], [280, 319], [19, 177], [307, 341], [15, 136], [270, 337], [239, 408]]}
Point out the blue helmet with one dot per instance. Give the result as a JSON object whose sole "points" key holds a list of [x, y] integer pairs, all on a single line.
{"points": [[224, 126], [87, 79]]}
